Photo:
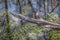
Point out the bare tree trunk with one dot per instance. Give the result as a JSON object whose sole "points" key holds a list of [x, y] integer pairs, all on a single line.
{"points": [[51, 4], [7, 22], [47, 6], [19, 6], [35, 12], [44, 8]]}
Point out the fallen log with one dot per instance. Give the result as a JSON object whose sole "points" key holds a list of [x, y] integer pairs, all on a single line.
{"points": [[37, 21]]}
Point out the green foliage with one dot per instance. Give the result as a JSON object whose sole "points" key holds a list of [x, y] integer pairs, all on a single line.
{"points": [[26, 9], [53, 34], [52, 17], [28, 31]]}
